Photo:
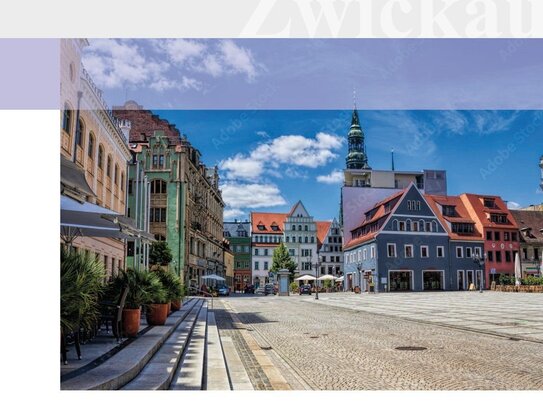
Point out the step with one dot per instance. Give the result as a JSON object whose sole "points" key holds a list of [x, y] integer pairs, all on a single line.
{"points": [[127, 363], [190, 374], [236, 371], [216, 373], [159, 372]]}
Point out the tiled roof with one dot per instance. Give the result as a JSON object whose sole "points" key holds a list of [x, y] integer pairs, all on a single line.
{"points": [[478, 211], [322, 230], [360, 240], [380, 212], [266, 219], [233, 227], [461, 211], [532, 220]]}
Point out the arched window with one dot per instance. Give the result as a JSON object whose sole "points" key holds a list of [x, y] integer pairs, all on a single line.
{"points": [[299, 239], [122, 181], [394, 224], [434, 226], [288, 239], [312, 239], [293, 227], [306, 239], [305, 228], [408, 225], [67, 118], [100, 157], [108, 168], [80, 133], [421, 225], [300, 228], [90, 150]]}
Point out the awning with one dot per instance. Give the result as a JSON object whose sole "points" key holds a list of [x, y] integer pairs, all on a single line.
{"points": [[72, 180], [87, 219]]}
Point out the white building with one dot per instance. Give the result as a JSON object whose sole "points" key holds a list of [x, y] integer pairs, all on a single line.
{"points": [[301, 238], [266, 234]]}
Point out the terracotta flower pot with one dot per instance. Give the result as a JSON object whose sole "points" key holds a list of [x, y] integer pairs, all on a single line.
{"points": [[176, 305], [157, 314], [131, 322]]}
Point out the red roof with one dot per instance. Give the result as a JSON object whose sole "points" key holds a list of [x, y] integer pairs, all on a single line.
{"points": [[322, 230], [267, 219], [361, 239], [478, 212], [461, 211]]}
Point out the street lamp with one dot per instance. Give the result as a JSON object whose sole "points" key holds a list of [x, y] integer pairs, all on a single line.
{"points": [[317, 265], [359, 268], [480, 261]]}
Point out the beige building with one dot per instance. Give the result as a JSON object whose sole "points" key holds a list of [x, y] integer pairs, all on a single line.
{"points": [[92, 139]]}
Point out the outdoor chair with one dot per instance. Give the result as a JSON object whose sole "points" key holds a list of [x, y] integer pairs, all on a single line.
{"points": [[113, 313], [67, 338]]}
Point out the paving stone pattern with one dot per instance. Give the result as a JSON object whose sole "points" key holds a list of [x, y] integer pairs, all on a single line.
{"points": [[257, 376], [341, 347]]}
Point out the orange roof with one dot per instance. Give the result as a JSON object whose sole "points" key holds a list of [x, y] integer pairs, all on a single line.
{"points": [[267, 219], [477, 210], [322, 230], [380, 212], [461, 210], [359, 240]]}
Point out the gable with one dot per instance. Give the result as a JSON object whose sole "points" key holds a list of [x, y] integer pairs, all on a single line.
{"points": [[299, 211], [413, 204]]}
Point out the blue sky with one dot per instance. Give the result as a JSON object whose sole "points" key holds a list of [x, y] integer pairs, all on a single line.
{"points": [[268, 159]]}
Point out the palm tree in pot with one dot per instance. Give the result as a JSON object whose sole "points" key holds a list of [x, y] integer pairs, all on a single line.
{"points": [[174, 289]]}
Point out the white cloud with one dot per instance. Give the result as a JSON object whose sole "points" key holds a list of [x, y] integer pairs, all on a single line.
{"points": [[166, 64], [335, 177], [238, 195], [488, 122], [242, 167], [452, 120], [291, 150], [513, 205], [233, 213]]}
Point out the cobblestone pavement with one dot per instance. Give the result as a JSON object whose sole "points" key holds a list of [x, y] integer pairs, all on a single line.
{"points": [[340, 348], [518, 315]]}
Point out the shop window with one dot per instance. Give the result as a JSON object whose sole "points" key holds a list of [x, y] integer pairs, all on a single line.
{"points": [[67, 118]]}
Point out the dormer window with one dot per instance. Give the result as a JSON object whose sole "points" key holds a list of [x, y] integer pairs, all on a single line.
{"points": [[449, 210], [275, 228], [261, 227], [498, 218], [489, 203]]}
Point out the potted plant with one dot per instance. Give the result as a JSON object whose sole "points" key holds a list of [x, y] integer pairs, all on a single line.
{"points": [[174, 289], [158, 305], [142, 285]]}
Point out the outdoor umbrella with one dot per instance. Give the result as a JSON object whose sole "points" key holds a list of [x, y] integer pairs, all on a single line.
{"points": [[518, 271], [327, 277], [214, 277], [305, 277]]}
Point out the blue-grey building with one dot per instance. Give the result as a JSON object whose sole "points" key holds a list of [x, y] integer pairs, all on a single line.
{"points": [[401, 245]]}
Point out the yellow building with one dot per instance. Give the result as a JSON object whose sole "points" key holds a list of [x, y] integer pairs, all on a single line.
{"points": [[92, 140]]}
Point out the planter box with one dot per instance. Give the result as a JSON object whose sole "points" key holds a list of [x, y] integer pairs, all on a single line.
{"points": [[519, 289]]}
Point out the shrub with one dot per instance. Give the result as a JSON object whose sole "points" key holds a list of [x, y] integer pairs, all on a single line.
{"points": [[171, 283], [294, 287], [143, 288], [531, 280], [81, 286], [506, 279]]}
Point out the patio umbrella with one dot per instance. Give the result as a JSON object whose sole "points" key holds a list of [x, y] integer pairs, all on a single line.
{"points": [[327, 277], [305, 277], [340, 278], [214, 277], [518, 271]]}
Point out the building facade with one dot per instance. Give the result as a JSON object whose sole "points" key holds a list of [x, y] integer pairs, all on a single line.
{"points": [[184, 203], [401, 245], [93, 140], [499, 230], [300, 233], [330, 242], [239, 235], [530, 225]]}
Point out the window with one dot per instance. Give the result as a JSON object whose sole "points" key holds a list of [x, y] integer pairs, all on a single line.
{"points": [[122, 181], [408, 249], [489, 203], [536, 253], [287, 239], [415, 226], [291, 252], [306, 228], [108, 168], [79, 133], [130, 249], [293, 227], [401, 225], [256, 252], [449, 210], [299, 239], [391, 249], [261, 227], [306, 239], [498, 218], [256, 265], [490, 255], [100, 157], [300, 228], [459, 252], [155, 160], [427, 227], [365, 254], [462, 228], [424, 251], [498, 256], [506, 236], [508, 256], [67, 119], [265, 265], [116, 174], [468, 252], [488, 235], [496, 236], [265, 252], [158, 186], [477, 251], [161, 161], [440, 251], [312, 239], [90, 149], [514, 236], [372, 252]]}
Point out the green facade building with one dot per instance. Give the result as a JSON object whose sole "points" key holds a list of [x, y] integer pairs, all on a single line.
{"points": [[239, 235]]}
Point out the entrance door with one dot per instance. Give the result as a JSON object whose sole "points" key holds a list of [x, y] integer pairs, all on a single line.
{"points": [[432, 280], [400, 281], [461, 280], [469, 278]]}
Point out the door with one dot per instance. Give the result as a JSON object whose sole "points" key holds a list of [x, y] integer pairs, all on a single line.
{"points": [[469, 278], [461, 280]]}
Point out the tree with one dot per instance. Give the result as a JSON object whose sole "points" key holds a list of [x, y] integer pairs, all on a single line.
{"points": [[160, 254], [281, 260]]}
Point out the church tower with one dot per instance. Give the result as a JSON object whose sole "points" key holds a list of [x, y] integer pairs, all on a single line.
{"points": [[356, 158]]}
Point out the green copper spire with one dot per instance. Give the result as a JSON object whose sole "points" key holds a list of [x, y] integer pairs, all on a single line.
{"points": [[356, 158]]}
